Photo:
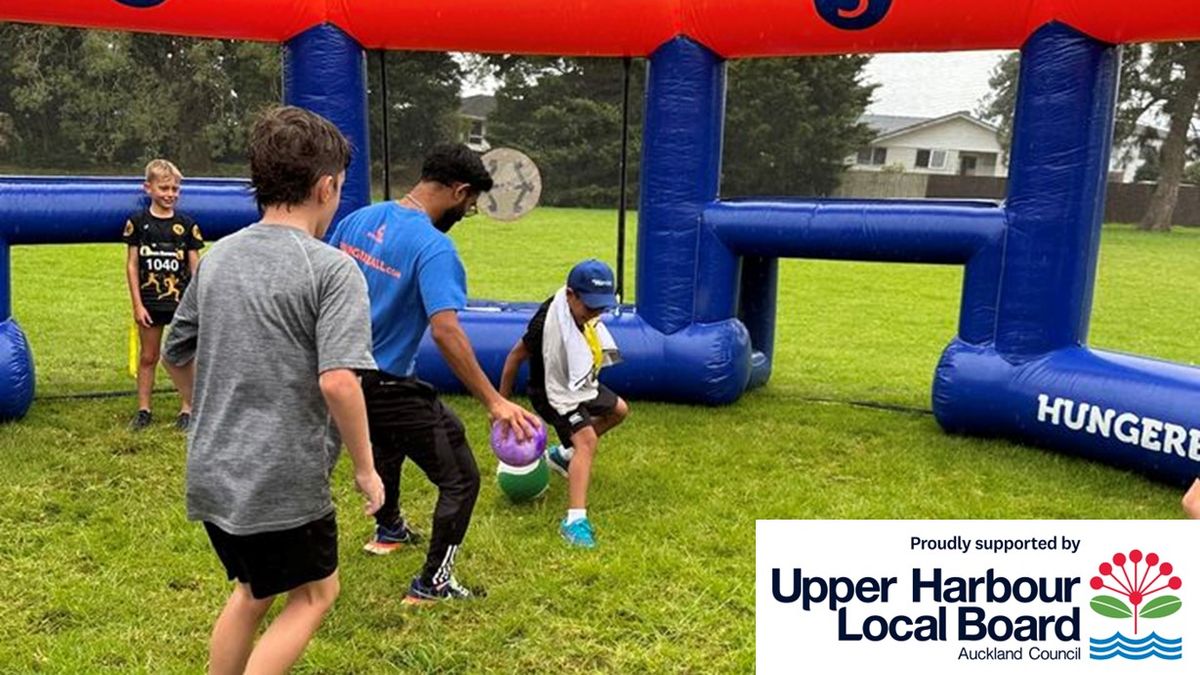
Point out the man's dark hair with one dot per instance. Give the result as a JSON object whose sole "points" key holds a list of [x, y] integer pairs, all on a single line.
{"points": [[451, 163], [290, 150]]}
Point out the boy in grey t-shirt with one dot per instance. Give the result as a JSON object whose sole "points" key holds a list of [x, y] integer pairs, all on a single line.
{"points": [[278, 324]]}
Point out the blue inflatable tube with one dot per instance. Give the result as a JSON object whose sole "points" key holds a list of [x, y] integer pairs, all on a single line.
{"points": [[74, 210], [960, 232], [1128, 411], [891, 231], [703, 363], [16, 372]]}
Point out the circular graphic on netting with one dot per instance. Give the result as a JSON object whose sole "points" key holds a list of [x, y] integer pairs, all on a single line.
{"points": [[517, 188]]}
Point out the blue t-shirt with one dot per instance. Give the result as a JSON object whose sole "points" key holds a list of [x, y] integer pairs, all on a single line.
{"points": [[413, 272]]}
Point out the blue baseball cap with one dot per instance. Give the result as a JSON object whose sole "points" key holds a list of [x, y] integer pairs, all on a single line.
{"points": [[593, 282]]}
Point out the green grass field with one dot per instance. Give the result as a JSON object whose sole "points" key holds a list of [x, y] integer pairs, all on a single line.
{"points": [[100, 571]]}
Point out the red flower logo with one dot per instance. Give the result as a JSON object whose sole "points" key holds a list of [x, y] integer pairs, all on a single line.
{"points": [[1136, 588]]}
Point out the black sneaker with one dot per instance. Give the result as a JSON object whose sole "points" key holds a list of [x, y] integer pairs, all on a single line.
{"points": [[183, 421], [420, 593], [141, 420]]}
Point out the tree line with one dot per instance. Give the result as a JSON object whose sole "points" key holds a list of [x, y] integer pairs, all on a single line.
{"points": [[85, 101]]}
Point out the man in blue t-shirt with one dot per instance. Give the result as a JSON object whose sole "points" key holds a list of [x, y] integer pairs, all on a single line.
{"points": [[415, 280]]}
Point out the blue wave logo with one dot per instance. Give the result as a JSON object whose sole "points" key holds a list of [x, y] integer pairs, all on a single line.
{"points": [[1136, 650], [141, 4], [853, 14]]}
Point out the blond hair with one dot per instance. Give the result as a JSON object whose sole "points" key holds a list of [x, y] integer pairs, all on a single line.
{"points": [[162, 168]]}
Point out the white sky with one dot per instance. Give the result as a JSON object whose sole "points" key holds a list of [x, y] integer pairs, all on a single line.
{"points": [[917, 84], [930, 84]]}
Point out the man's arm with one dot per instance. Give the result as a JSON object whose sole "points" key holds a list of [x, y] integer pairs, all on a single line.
{"points": [[512, 364], [452, 342], [1191, 500], [344, 398]]}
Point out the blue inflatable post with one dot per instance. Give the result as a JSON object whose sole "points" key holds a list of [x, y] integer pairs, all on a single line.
{"points": [[680, 174], [324, 70], [1034, 379], [683, 342]]}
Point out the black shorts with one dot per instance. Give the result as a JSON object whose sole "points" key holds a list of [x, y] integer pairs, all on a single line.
{"points": [[277, 562], [566, 425], [160, 317]]}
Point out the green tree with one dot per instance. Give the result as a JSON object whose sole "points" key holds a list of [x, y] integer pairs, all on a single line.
{"points": [[565, 113], [96, 98], [790, 123], [1191, 175], [1172, 76], [423, 98], [8, 134], [998, 105]]}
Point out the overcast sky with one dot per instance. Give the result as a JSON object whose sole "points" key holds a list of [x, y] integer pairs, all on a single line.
{"points": [[930, 85], [916, 84]]}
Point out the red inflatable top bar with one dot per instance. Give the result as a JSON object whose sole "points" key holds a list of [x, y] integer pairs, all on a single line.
{"points": [[264, 20], [732, 28]]}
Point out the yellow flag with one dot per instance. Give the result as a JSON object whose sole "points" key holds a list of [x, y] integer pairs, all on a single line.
{"points": [[133, 350], [593, 342]]}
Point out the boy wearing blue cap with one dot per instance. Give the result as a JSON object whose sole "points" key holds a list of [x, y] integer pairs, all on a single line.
{"points": [[566, 346]]}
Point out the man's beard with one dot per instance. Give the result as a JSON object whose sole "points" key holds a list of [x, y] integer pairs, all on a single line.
{"points": [[450, 218]]}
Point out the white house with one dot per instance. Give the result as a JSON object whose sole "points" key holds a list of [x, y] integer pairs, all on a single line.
{"points": [[952, 144], [474, 112], [961, 144]]}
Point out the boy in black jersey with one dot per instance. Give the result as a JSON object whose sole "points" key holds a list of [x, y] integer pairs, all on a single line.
{"points": [[164, 249]]}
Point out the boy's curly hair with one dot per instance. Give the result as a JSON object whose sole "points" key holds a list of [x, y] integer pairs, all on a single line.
{"points": [[290, 150], [450, 163]]}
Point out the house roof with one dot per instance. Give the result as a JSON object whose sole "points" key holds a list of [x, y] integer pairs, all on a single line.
{"points": [[886, 124], [890, 126], [480, 105]]}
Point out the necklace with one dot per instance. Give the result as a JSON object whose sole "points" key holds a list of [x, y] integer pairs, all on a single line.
{"points": [[416, 201]]}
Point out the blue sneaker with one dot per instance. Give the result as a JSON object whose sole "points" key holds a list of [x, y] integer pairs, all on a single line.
{"points": [[388, 539], [578, 534], [555, 459]]}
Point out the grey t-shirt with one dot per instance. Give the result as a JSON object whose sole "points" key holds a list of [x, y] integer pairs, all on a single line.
{"points": [[269, 310]]}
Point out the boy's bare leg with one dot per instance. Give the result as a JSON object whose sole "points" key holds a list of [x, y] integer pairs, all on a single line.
{"points": [[584, 443], [150, 340], [579, 473], [184, 379], [1191, 500], [287, 636], [605, 424], [233, 634]]}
